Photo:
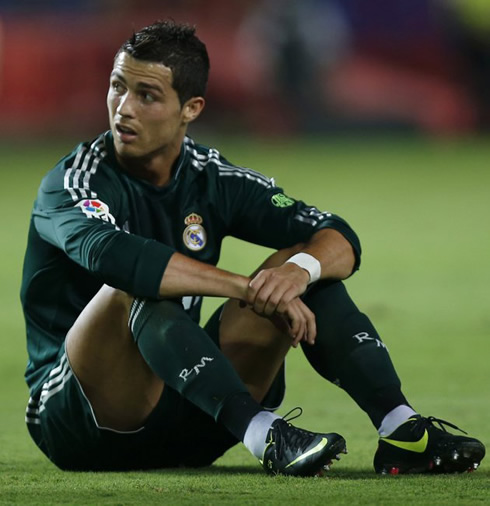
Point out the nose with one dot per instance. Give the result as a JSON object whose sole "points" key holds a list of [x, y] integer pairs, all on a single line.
{"points": [[126, 105]]}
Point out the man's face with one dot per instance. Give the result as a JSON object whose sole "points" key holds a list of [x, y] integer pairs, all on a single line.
{"points": [[145, 114]]}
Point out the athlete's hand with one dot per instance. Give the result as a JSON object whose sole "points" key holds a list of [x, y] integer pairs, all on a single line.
{"points": [[297, 321], [271, 290], [275, 292]]}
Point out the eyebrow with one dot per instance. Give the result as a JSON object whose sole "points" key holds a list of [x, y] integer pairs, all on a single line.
{"points": [[140, 85]]}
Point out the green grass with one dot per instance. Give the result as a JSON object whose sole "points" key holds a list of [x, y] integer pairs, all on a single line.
{"points": [[422, 210]]}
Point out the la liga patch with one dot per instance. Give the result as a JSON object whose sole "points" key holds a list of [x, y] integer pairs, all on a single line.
{"points": [[94, 208]]}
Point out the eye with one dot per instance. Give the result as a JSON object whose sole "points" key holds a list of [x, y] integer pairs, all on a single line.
{"points": [[147, 97], [117, 87]]}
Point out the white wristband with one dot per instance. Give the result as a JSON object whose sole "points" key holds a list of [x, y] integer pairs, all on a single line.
{"points": [[309, 263]]}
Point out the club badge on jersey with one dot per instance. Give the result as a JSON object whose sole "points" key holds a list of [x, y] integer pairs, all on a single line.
{"points": [[194, 235]]}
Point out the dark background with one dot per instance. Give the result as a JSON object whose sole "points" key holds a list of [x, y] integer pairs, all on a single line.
{"points": [[277, 66]]}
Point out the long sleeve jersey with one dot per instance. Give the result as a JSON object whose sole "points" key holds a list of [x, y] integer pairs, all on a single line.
{"points": [[94, 224]]}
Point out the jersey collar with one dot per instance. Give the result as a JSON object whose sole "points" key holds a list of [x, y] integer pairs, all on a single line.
{"points": [[176, 171]]}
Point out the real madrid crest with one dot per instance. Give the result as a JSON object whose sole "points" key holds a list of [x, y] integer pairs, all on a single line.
{"points": [[194, 234]]}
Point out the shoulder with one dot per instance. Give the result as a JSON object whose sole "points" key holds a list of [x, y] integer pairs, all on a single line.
{"points": [[208, 160], [75, 172]]}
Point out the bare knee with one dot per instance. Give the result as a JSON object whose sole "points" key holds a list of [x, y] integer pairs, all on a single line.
{"points": [[104, 357]]}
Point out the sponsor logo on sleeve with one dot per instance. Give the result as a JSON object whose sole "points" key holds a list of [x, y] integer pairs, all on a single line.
{"points": [[281, 200], [194, 235], [93, 208]]}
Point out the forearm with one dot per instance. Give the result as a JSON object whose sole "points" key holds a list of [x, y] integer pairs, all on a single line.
{"points": [[333, 251], [186, 276], [329, 247]]}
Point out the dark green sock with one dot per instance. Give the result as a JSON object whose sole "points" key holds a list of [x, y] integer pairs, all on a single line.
{"points": [[350, 353], [183, 355]]}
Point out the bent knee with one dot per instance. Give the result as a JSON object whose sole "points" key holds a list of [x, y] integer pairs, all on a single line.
{"points": [[104, 318], [116, 295]]}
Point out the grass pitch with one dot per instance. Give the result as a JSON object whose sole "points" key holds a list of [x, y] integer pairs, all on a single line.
{"points": [[422, 210]]}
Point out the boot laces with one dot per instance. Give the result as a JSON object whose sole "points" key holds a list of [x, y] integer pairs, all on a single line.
{"points": [[298, 409], [425, 422], [291, 436]]}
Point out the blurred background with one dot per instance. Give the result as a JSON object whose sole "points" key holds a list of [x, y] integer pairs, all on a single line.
{"points": [[278, 66], [378, 110]]}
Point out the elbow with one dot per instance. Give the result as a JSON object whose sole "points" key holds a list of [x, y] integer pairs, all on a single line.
{"points": [[351, 262], [349, 259], [346, 253], [352, 253]]}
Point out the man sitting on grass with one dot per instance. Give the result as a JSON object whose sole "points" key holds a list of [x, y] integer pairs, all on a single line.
{"points": [[124, 240]]}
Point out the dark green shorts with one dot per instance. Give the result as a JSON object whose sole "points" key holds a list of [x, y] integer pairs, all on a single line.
{"points": [[177, 433]]}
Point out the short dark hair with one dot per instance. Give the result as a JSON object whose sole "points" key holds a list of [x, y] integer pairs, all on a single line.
{"points": [[176, 46]]}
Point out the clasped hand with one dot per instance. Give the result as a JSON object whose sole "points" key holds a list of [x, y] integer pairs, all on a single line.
{"points": [[275, 293]]}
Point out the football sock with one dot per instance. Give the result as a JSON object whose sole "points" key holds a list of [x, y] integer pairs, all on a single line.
{"points": [[183, 355], [256, 433], [349, 352], [394, 419]]}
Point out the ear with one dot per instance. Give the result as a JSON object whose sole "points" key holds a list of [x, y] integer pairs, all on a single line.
{"points": [[192, 108]]}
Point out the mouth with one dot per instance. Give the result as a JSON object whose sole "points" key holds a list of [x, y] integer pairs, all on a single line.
{"points": [[125, 133]]}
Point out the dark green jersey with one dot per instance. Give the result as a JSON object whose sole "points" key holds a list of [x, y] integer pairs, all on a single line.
{"points": [[93, 224]]}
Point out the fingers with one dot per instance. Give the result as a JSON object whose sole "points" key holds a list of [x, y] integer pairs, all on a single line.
{"points": [[275, 292], [302, 323], [298, 322], [259, 292], [271, 290]]}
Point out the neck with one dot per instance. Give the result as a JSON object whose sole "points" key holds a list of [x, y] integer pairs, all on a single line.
{"points": [[156, 168]]}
